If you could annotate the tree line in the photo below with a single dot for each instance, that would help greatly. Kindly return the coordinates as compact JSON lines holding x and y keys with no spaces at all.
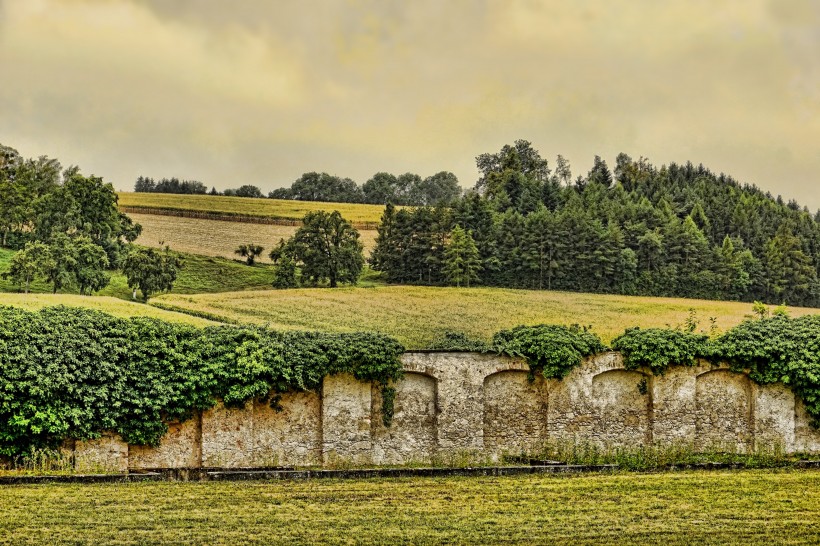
{"x":675,"y":230}
{"x":68,"y":230}
{"x":407,"y":189}
{"x":145,"y":184}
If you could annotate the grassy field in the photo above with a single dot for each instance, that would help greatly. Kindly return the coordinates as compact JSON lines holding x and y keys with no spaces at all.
{"x":112,"y":306}
{"x":246,"y":206}
{"x":417,"y":315}
{"x":199,"y":274}
{"x":217,"y":237}
{"x":747,"y":507}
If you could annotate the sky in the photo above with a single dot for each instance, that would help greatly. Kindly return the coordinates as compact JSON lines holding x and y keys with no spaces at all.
{"x":259,"y":92}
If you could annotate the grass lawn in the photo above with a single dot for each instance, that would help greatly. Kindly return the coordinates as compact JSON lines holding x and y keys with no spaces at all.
{"x":218,"y":237}
{"x":741,"y":507}
{"x":417,"y":315}
{"x":247,"y":206}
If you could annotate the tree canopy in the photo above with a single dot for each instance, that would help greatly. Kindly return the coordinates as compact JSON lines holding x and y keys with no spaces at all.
{"x":326,"y":247}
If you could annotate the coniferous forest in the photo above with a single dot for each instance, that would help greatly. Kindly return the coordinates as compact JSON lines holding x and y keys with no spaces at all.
{"x":674,"y":230}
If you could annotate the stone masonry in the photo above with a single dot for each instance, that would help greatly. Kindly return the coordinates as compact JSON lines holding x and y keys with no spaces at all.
{"x":452,"y":404}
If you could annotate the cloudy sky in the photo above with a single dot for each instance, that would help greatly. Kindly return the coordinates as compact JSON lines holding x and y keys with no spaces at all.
{"x":260,"y":91}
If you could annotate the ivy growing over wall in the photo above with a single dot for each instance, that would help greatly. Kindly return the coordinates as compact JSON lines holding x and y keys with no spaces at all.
{"x":73,"y":373}
{"x":549,"y":349}
{"x":659,"y":348}
{"x":777,"y":349}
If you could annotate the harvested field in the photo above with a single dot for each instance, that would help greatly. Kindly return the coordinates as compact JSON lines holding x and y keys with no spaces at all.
{"x":217,"y":237}
{"x":248,"y":207}
{"x":746,"y":507}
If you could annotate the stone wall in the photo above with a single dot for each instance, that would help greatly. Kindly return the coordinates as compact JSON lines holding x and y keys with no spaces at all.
{"x":456,"y":404}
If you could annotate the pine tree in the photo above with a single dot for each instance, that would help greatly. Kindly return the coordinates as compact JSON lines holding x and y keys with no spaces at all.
{"x":461,"y":260}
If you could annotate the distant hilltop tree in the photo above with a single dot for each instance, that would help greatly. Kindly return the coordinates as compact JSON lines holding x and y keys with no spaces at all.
{"x":244,"y":191}
{"x":382,"y":188}
{"x":145,"y":184}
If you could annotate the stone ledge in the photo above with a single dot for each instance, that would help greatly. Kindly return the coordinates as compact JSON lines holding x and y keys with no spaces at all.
{"x":82,"y":478}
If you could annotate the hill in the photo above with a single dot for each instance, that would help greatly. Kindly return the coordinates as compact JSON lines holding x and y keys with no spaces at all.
{"x":417,"y":315}
{"x":245,"y":209}
{"x":199,"y":274}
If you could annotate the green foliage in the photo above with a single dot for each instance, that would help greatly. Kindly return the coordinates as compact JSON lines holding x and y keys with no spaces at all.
{"x":658,"y":348}
{"x":73,"y":373}
{"x":284,"y":273}
{"x":675,"y":230}
{"x":151,"y":271}
{"x":777,"y":349}
{"x":461,"y":259}
{"x":328,"y":248}
{"x":549,"y":349}
{"x":250,"y":252}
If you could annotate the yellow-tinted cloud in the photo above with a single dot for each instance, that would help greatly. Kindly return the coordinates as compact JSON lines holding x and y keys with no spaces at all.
{"x":259,"y":92}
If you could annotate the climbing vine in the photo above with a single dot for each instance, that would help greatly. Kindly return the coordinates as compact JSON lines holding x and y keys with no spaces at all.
{"x":549,"y":349}
{"x":73,"y":373}
{"x":658,"y":348}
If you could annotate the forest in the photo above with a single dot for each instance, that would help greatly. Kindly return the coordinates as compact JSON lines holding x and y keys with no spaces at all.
{"x":677,"y":230}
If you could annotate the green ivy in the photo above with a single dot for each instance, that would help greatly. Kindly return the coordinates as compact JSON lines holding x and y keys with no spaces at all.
{"x":74,"y":373}
{"x":777,"y":349}
{"x":549,"y":349}
{"x":658,"y":348}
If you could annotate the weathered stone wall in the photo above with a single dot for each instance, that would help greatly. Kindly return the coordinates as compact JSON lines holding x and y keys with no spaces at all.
{"x":451,"y":404}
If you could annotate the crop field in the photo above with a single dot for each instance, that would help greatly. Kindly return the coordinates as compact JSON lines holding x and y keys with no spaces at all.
{"x":112,"y":306}
{"x":742,"y":507}
{"x":247,"y":206}
{"x":218,"y":237}
{"x":418,"y":315}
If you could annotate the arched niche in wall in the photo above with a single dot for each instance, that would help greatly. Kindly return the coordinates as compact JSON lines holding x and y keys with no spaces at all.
{"x":515,"y":411}
{"x":411,"y":437}
{"x":622,"y":403}
{"x":723,"y":411}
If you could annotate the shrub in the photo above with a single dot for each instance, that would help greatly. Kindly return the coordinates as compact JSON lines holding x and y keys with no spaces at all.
{"x":548,"y":349}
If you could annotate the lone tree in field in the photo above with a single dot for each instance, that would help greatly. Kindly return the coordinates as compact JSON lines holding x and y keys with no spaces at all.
{"x":461,"y":259}
{"x":328,"y":249}
{"x":151,"y":271}
{"x":249,"y":252}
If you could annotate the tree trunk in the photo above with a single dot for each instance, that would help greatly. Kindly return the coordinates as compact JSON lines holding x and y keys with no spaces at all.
{"x":134,"y":294}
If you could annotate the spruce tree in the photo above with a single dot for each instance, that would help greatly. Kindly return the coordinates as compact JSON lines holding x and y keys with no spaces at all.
{"x":461,"y":260}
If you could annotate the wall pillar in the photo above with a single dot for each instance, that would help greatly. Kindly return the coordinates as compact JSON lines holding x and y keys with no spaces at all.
{"x":346,"y":419}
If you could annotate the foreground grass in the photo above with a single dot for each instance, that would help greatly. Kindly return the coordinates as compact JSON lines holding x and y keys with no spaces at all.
{"x":417,"y":316}
{"x":247,"y":206}
{"x":748,"y":507}
{"x":217,"y":237}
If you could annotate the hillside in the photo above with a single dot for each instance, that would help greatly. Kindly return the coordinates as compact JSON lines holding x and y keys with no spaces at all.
{"x":199,"y":274}
{"x":244,"y":208}
{"x":217,"y":237}
{"x":110,"y":305}
{"x":417,"y":315}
